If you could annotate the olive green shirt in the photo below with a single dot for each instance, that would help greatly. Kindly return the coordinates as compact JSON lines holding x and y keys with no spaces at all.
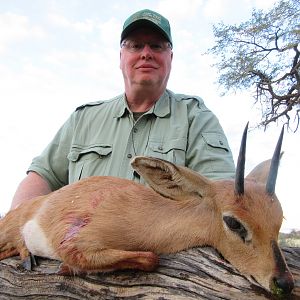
{"x":101,"y":138}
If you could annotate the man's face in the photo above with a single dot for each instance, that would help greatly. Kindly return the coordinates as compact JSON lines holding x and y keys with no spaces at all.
{"x":146,"y":67}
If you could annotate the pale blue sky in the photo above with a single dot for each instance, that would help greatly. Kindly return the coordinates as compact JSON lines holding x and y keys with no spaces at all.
{"x":58,"y":54}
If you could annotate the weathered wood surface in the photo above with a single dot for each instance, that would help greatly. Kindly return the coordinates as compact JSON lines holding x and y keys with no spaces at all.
{"x":194,"y":274}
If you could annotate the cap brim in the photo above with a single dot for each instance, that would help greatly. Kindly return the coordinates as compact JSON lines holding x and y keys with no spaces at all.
{"x":142,"y":23}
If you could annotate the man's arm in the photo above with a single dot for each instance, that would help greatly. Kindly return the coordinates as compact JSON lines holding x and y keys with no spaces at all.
{"x":208,"y":152}
{"x":31,"y":186}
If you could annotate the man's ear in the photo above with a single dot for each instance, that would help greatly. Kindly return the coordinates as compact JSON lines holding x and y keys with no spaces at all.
{"x":170,"y":180}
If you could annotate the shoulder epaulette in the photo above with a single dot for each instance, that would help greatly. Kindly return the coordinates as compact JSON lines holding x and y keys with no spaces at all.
{"x":180,"y":97}
{"x":89,"y":104}
{"x":189,"y":97}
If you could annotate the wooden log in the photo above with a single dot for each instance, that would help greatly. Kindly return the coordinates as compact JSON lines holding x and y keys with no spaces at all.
{"x":198,"y":273}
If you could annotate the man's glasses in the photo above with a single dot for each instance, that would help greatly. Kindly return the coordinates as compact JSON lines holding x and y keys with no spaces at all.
{"x":138,"y":46}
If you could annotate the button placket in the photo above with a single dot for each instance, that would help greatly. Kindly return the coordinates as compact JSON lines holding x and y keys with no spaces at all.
{"x":132,"y":151}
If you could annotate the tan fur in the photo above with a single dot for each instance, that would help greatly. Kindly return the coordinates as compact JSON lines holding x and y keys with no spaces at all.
{"x":108,"y":223}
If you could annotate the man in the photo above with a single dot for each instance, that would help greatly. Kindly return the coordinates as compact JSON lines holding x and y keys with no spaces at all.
{"x":101,"y":138}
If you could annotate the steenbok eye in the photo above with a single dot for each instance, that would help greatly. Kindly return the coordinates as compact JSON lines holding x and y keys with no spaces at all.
{"x":234,"y":225}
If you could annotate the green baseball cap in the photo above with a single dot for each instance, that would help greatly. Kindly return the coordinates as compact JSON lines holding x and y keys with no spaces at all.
{"x":147,"y":18}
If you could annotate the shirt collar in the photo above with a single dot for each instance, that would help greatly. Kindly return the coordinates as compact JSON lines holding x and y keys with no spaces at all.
{"x":122,"y":107}
{"x":160,"y":109}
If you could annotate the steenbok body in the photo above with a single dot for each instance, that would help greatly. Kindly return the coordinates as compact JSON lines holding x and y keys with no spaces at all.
{"x":107,"y":223}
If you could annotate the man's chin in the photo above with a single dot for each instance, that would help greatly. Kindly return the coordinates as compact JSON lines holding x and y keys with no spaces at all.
{"x":146,"y":81}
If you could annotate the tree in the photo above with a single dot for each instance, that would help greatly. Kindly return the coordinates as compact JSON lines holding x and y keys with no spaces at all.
{"x":263,"y":54}
{"x":198,"y":273}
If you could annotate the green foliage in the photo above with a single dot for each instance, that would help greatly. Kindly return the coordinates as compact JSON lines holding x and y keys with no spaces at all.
{"x":291,"y":239}
{"x":263,"y":54}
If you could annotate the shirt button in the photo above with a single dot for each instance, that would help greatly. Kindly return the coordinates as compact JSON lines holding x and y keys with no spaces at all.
{"x":135,"y":130}
{"x":160,"y":148}
{"x":221,"y":143}
{"x":129,"y":155}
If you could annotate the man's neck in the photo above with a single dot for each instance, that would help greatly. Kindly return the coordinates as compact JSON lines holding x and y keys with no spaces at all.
{"x":141,"y":102}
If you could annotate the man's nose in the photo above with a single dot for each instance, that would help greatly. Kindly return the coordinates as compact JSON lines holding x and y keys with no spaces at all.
{"x":146,"y":52}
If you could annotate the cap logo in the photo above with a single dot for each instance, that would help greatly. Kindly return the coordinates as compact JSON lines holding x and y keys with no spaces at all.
{"x":149,"y":16}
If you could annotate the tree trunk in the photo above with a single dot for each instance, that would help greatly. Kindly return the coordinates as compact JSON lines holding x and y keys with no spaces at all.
{"x":197,"y":273}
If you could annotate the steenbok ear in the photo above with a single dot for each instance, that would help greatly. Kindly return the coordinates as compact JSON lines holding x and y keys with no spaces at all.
{"x":261,"y":172}
{"x":169,"y":180}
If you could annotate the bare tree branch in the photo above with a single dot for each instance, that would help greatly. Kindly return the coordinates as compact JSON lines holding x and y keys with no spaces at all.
{"x":262,"y":53}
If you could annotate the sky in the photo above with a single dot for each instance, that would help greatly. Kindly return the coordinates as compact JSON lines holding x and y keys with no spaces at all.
{"x":58,"y":54}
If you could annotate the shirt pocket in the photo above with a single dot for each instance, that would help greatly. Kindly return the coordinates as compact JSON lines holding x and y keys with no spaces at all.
{"x":88,"y":161}
{"x":215,"y":141}
{"x":171,"y":150}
